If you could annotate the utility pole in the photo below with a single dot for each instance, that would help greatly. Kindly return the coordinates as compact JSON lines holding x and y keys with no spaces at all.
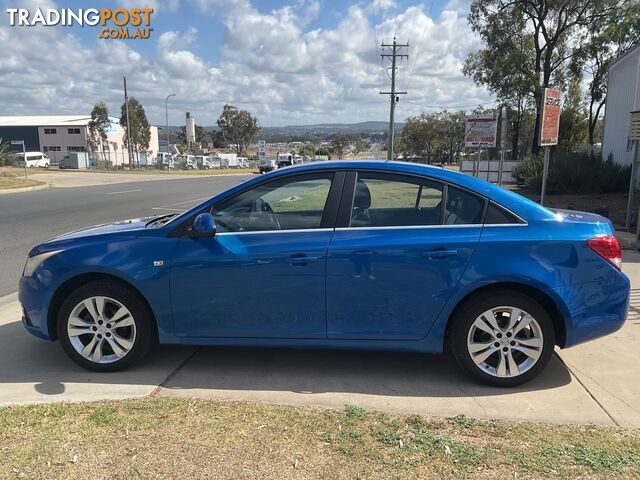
{"x":393,"y":95}
{"x":126,"y":107}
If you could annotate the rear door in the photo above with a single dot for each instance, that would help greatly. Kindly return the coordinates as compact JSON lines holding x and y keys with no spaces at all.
{"x":401,"y":245}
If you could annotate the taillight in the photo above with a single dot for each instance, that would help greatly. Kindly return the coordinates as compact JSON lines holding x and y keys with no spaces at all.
{"x":608,"y":248}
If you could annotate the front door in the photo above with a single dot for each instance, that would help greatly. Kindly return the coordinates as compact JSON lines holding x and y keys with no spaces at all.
{"x":407,"y":243}
{"x":263,"y":274}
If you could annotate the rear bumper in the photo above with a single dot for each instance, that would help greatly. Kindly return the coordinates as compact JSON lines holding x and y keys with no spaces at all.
{"x":35,"y":303}
{"x":595,"y":309}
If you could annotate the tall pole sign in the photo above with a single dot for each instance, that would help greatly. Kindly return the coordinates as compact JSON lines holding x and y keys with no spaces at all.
{"x":503,"y":142}
{"x":549,"y":129}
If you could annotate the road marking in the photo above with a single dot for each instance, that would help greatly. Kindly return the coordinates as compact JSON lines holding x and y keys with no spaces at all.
{"x":124,"y":191}
{"x":170,"y":209}
{"x":186,"y":201}
{"x":218,"y":181}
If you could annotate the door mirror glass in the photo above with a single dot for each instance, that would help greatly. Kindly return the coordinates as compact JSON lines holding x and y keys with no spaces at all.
{"x":203,"y":226}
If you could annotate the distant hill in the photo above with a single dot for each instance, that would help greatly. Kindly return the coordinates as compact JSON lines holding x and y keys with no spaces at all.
{"x":323,"y":129}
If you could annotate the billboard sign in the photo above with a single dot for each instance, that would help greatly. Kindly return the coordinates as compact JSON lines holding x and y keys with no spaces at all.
{"x":262,"y":148}
{"x":481,"y":131}
{"x":550,"y":117}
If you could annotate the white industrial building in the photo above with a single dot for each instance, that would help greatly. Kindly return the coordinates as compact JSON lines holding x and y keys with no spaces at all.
{"x":623,"y":97}
{"x":59,"y":134}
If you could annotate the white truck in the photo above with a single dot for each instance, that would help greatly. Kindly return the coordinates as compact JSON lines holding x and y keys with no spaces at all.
{"x":205,"y":162}
{"x":165,"y":161}
{"x":187,"y":162}
{"x":228,"y":160}
{"x":287,"y":159}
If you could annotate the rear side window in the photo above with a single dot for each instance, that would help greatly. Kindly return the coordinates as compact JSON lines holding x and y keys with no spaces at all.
{"x":463,"y":207}
{"x":391,"y":200}
{"x":497,"y":215}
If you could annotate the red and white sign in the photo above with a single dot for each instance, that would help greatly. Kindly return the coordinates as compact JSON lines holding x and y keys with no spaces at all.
{"x":480,"y":131}
{"x":550,"y":117}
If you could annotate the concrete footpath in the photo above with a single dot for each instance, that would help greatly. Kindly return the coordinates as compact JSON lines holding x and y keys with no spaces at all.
{"x":595,"y":383}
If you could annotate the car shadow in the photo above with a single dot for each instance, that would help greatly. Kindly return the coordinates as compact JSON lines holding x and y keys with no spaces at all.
{"x":362,"y":372}
{"x":25,"y":359}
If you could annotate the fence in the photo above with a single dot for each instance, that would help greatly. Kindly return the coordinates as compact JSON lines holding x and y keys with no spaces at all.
{"x":489,"y":169}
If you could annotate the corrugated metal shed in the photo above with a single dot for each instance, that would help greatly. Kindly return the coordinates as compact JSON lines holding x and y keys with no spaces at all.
{"x":623,"y":97}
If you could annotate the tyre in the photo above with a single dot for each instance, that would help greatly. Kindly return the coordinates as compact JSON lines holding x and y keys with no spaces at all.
{"x":105,"y":327}
{"x":503,"y":339}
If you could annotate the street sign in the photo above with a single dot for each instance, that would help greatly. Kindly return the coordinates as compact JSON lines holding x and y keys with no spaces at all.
{"x":480,"y":131}
{"x":550,"y":117}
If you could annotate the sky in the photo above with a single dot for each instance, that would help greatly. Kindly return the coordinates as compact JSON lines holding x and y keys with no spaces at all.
{"x":289,"y":62}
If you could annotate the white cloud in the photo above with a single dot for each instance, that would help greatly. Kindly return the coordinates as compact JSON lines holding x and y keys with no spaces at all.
{"x":271,"y":63}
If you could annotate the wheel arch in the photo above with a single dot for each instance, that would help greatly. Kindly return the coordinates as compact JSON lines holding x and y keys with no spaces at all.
{"x":543,"y":298}
{"x":74,"y":282}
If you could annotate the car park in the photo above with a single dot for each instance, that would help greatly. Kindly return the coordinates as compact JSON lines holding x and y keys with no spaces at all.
{"x":346,"y":255}
{"x":187,"y":162}
{"x":205,"y":162}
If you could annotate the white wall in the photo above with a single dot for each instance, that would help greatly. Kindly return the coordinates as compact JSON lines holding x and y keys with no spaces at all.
{"x":623,"y":97}
{"x":62,"y":138}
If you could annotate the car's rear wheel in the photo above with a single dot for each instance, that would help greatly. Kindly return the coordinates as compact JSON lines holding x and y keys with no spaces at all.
{"x":104,"y":327}
{"x":502,"y":339}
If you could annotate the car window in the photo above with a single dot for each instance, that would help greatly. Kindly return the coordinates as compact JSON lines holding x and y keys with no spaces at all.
{"x":497,"y":215}
{"x":291,"y":203}
{"x":463,"y":207}
{"x":384,"y":200}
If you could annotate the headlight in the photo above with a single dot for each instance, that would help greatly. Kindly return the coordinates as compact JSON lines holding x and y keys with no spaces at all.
{"x":34,"y":262}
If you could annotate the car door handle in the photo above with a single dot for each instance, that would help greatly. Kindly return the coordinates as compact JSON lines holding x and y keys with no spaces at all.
{"x":436,"y":254}
{"x":302,"y":260}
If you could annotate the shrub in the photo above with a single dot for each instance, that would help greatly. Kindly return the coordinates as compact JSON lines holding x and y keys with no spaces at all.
{"x":575,"y":173}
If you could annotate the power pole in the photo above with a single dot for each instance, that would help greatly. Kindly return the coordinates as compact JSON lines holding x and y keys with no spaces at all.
{"x":126,"y":107}
{"x":393,"y":95}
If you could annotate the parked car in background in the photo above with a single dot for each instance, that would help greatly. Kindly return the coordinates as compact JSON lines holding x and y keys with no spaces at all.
{"x":287,"y":159}
{"x":266,"y":165}
{"x":402,"y":256}
{"x":33,"y":159}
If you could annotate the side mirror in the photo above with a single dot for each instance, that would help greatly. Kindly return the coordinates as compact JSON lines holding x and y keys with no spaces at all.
{"x":203,"y":226}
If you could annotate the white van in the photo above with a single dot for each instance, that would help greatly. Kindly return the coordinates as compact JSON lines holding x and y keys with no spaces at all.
{"x":34,"y":159}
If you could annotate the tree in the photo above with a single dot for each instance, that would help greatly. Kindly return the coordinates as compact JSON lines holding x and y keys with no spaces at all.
{"x":324,"y":151}
{"x":573,"y":120}
{"x":308,"y":150}
{"x":339,"y":144}
{"x":418,"y":137}
{"x":238,"y":127}
{"x":4,"y":153}
{"x":99,"y":126}
{"x":605,"y":41}
{"x":217,"y":137}
{"x":553,"y":28}
{"x":140,"y":130}
{"x":430,"y":136}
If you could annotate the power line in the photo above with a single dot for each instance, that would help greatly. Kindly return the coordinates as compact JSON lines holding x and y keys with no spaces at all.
{"x":396,"y":50}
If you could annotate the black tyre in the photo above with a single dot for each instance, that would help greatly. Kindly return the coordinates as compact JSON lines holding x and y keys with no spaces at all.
{"x":503,"y":338}
{"x":105,"y":327}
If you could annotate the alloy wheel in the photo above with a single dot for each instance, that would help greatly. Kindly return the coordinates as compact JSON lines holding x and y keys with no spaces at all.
{"x":505,"y":341}
{"x":101,"y":329}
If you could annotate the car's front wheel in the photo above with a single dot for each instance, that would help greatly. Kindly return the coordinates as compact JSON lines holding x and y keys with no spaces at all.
{"x":104,"y":327}
{"x":502,"y":339}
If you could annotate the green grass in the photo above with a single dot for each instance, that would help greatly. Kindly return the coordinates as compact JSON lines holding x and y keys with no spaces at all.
{"x":187,"y":438}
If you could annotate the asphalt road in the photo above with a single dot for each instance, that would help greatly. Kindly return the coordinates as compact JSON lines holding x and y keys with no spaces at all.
{"x":29,"y":218}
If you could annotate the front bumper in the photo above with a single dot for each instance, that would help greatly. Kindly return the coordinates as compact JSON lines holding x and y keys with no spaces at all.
{"x":34,"y":299}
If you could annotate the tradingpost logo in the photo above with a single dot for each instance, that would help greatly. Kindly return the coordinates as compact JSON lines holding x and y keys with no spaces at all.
{"x":114,"y":23}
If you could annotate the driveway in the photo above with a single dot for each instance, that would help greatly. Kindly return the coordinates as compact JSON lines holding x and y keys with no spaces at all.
{"x":595,"y":383}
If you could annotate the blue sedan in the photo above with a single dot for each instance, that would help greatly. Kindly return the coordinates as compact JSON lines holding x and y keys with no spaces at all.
{"x":356,"y":255}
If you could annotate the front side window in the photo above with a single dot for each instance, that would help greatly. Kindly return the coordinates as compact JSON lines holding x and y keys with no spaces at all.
{"x":292,"y":203}
{"x":386,"y":200}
